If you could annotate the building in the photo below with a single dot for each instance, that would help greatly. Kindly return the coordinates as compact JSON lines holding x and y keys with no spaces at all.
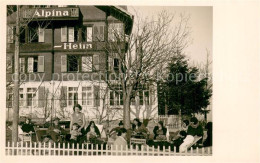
{"x":64,"y":61}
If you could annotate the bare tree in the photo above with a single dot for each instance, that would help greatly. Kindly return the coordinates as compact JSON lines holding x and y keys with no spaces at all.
{"x":149,"y":47}
{"x":16,"y":27}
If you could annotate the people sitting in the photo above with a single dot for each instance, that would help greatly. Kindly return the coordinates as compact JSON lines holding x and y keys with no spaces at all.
{"x":27,"y":127}
{"x":113,"y":133}
{"x":55,"y":132}
{"x":160,"y":132}
{"x":121,"y":141}
{"x":139,"y":130}
{"x":194,"y":131}
{"x":185,"y":125}
{"x":177,"y":142}
{"x":92,"y":131}
{"x":75,"y":133}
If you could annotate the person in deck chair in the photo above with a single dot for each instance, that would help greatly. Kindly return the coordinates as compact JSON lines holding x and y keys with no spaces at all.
{"x":194,"y":131}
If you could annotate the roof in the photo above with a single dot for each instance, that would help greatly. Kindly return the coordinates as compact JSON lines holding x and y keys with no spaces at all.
{"x":121,"y":14}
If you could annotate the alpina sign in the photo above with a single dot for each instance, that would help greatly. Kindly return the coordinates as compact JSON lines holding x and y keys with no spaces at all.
{"x":74,"y":46}
{"x":55,"y":13}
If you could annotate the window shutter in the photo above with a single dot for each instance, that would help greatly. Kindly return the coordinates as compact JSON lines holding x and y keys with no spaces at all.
{"x":110,"y":63}
{"x":102,"y":62}
{"x":71,"y":34}
{"x":96,"y":62}
{"x":9,"y":64}
{"x":41,"y":97}
{"x":41,"y":64}
{"x":101,"y":33}
{"x":10,"y":33}
{"x":64,"y":34}
{"x":9,"y":97}
{"x":21,"y":65}
{"x":86,"y":63}
{"x":30,"y":64}
{"x":89,"y":34}
{"x":41,"y":34}
{"x":95,"y":34}
{"x":96,"y":96}
{"x":111,"y":29}
{"x":63,"y":96}
{"x":63,"y":63}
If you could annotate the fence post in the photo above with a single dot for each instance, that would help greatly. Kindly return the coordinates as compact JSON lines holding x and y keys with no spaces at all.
{"x":78,"y":149}
{"x":26,"y":148}
{"x":164,"y":150}
{"x":203,"y":151}
{"x":7,"y":150}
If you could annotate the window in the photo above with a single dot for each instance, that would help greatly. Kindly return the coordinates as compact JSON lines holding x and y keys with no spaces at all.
{"x":73,"y":63}
{"x":87,"y":96}
{"x":69,"y":34}
{"x":116,"y":64}
{"x":116,"y":96}
{"x":31,"y":94}
{"x":115,"y":31}
{"x":111,"y":97}
{"x":86,"y":63}
{"x":77,"y":63}
{"x":73,"y":96}
{"x":141,"y":98}
{"x":33,"y":35}
{"x":146,"y":96}
{"x":32,"y":64}
{"x":22,"y":35}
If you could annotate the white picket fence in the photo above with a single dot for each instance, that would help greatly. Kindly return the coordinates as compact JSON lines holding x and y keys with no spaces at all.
{"x":48,"y":149}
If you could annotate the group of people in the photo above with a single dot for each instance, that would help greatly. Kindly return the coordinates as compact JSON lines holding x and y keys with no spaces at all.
{"x":79,"y":132}
{"x":191,"y":133}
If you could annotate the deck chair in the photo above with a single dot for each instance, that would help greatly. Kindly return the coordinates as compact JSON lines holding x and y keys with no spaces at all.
{"x":24,"y":137}
{"x":40,"y":133}
{"x":189,"y":141}
{"x":102,"y":131}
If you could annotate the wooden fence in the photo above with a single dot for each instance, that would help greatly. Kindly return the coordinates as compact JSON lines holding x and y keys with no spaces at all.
{"x":48,"y":149}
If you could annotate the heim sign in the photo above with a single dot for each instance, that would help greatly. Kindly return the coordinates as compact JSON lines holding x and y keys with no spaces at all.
{"x":74,"y":46}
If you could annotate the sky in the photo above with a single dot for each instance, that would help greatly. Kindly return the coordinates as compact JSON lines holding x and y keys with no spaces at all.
{"x":201,"y":27}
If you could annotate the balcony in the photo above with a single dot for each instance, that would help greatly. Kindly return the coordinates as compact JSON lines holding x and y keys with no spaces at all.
{"x":53,"y":13}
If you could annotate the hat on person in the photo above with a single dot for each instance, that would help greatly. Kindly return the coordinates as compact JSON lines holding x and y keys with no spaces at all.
{"x":56,"y":118}
{"x":120,"y":123}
